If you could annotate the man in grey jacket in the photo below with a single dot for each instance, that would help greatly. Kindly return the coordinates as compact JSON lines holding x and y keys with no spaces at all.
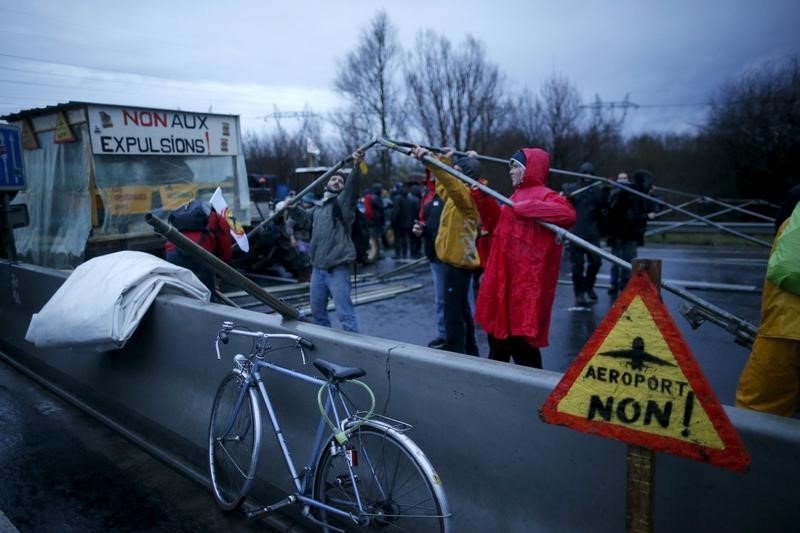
{"x":332,"y":251}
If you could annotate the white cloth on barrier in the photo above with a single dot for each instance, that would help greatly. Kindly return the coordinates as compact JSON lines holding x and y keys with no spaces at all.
{"x":102,"y":302}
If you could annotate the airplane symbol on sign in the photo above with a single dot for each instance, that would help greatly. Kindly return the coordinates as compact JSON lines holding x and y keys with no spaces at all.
{"x":637,"y":356}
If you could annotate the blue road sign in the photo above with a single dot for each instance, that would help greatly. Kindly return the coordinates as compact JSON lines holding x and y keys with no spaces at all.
{"x":12,"y":173}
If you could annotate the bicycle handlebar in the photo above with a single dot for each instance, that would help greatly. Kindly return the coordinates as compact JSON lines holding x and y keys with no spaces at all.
{"x":260,"y":334}
{"x":228,"y":328}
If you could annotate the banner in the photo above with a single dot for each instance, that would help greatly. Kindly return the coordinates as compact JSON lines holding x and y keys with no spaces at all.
{"x":138,"y":131}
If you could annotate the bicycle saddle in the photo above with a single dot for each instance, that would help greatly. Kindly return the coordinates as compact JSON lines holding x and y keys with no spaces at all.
{"x":335,"y":372}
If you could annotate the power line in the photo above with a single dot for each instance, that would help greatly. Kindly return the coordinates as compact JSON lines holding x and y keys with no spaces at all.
{"x":232,"y":96}
{"x":39,"y":84}
{"x":165,"y":85}
{"x":665,"y":106}
{"x":624,"y":105}
{"x":23,"y":98}
{"x":76,"y":24}
{"x":39,"y":60}
{"x":289,"y":114}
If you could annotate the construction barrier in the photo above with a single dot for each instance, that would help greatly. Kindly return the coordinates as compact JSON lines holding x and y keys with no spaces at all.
{"x":502,"y":468}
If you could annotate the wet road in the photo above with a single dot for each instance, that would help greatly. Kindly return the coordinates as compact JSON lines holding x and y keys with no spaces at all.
{"x":61,"y":471}
{"x":409,"y":316}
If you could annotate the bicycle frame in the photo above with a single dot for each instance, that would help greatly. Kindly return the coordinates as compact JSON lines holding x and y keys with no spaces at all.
{"x":301,"y":482}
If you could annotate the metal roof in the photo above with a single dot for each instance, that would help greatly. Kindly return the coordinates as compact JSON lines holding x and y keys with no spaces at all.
{"x":25,"y":113}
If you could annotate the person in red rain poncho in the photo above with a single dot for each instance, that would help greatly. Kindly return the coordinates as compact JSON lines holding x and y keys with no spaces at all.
{"x":519,"y":282}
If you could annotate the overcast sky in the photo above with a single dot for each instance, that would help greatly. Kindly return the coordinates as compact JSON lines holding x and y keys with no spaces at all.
{"x":245,"y":57}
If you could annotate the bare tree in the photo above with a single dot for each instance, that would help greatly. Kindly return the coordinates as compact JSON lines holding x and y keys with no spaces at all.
{"x":753,"y":130}
{"x":529,"y":119}
{"x":280,"y":151}
{"x":601,"y":140}
{"x":352,"y":126}
{"x":561,"y":106}
{"x":368,"y":78}
{"x":456,"y":97}
{"x":427,"y":80}
{"x":256,"y":152}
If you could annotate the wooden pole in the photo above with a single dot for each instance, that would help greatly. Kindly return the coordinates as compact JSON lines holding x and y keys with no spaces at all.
{"x":206,"y":258}
{"x":641,"y":477}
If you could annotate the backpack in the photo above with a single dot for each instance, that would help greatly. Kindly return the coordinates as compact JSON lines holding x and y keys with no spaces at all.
{"x":191,"y":216}
{"x":359,"y":232}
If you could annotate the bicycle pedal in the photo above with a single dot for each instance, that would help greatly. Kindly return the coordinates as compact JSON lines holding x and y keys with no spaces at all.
{"x":269,"y":508}
{"x":253,"y":514}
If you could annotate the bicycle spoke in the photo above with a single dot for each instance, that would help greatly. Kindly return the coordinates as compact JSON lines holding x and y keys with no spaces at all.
{"x":234,"y":462}
{"x":395,"y":493}
{"x":234,"y":438}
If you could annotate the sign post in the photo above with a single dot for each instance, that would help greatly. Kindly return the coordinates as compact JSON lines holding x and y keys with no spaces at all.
{"x":636,"y":381}
{"x":641,"y":462}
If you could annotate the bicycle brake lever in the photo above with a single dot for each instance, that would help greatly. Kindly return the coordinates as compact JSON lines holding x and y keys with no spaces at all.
{"x":221,"y":336}
{"x":305,"y":342}
{"x":302,"y":354}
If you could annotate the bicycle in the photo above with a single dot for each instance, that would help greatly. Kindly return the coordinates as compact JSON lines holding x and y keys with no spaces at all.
{"x":363,"y":471}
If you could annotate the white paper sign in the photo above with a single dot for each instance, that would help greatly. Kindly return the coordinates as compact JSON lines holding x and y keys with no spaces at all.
{"x":237,"y":231}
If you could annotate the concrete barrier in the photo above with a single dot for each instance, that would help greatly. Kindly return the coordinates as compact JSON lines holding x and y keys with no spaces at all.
{"x":503,"y":469}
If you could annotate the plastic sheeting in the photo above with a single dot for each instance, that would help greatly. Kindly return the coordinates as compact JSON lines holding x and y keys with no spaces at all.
{"x":58,"y":202}
{"x":102,"y":302}
{"x":131,"y":186}
{"x":74,"y":196}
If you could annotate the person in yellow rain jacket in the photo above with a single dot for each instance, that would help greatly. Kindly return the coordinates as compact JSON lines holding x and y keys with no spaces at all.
{"x":456,"y":249}
{"x":770,"y":381}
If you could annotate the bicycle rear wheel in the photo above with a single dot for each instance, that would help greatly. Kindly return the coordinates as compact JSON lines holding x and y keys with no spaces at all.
{"x":398,"y":487}
{"x":234,"y":439}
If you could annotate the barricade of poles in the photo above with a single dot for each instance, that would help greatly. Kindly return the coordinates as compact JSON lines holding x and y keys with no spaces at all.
{"x":728,"y":207}
{"x":700,"y":310}
{"x":696,"y":311}
{"x":610,"y":182}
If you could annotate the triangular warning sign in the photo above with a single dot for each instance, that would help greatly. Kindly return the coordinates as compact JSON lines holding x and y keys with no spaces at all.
{"x":63,"y":131}
{"x":29,"y":141}
{"x":636,"y":380}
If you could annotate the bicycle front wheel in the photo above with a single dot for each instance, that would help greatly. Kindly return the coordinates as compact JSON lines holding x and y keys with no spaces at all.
{"x":398,"y":488}
{"x":234,"y":438}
